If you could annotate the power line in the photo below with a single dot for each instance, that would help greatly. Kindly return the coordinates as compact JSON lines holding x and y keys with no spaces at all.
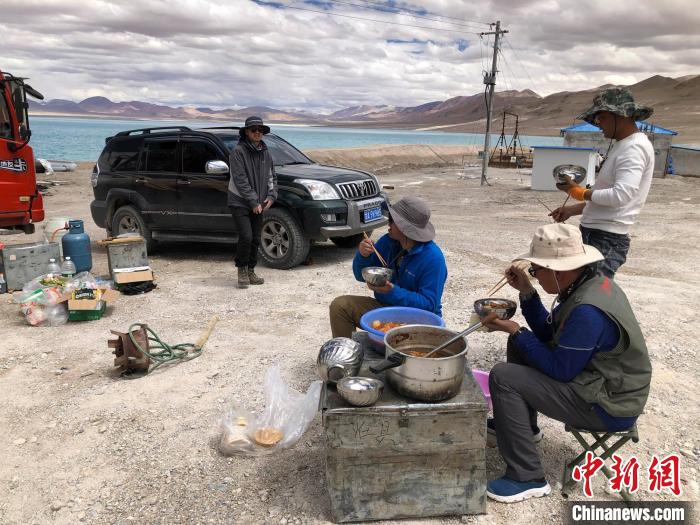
{"x":286,"y":6}
{"x":527,"y":72}
{"x":420,"y":14}
{"x":506,"y":66}
{"x":481,"y":52}
{"x":370,"y":7}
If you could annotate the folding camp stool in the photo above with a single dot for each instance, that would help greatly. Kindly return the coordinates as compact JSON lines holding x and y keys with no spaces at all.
{"x":601,"y":441}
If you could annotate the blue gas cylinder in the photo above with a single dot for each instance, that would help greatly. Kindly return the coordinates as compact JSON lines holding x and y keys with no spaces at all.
{"x":76,"y":245}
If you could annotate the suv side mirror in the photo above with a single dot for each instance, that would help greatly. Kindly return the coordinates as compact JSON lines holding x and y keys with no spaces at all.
{"x":216,"y":166}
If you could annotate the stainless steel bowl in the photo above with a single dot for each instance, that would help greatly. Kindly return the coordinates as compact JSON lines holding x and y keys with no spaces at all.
{"x":504,"y":308}
{"x":338,"y":358}
{"x":360,"y":391}
{"x":574,"y":172}
{"x":377,"y":275}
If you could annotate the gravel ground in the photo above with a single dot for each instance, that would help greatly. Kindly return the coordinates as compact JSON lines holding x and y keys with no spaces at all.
{"x":79,"y":444}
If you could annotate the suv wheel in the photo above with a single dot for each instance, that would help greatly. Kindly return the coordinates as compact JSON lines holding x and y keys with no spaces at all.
{"x":128,"y":219}
{"x":349,"y":242}
{"x":283,"y":245}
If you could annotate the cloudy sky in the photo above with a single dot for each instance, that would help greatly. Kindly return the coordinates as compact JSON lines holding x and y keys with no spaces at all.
{"x":326,"y":55}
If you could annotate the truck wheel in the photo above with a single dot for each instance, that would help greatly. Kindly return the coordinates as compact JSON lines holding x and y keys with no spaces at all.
{"x":128,"y":219}
{"x":283,"y":244}
{"x":348,"y":242}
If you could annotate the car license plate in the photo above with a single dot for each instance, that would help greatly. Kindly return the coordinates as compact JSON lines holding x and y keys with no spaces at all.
{"x":372,"y":214}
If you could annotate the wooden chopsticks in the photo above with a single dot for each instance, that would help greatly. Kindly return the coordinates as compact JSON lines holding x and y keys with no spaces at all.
{"x":500,"y":284}
{"x":379,"y":255}
{"x":504,"y":280}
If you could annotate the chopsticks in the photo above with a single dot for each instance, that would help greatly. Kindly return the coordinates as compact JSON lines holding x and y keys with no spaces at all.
{"x":504,"y":280}
{"x":543,"y":204}
{"x":379,"y":255}
{"x":500,"y":284}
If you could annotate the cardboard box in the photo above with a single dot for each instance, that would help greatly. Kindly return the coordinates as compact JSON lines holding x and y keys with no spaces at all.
{"x":132,"y":275}
{"x":107,"y":295}
{"x":83,"y":306}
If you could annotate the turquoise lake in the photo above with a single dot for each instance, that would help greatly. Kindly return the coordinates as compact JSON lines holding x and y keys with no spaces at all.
{"x":82,"y":139}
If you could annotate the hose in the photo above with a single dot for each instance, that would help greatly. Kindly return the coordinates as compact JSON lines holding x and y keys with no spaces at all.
{"x":53,"y":235}
{"x":166,"y":353}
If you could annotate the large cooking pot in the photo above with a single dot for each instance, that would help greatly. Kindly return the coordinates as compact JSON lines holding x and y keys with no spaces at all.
{"x":426,"y":379}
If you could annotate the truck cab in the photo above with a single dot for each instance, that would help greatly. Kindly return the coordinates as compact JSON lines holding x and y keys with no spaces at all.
{"x":21,"y":204}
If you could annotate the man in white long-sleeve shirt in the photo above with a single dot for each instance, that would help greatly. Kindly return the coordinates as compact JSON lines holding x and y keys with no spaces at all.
{"x":610,"y":207}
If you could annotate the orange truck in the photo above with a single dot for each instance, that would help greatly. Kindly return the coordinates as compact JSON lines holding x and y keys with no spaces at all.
{"x":21,"y":204}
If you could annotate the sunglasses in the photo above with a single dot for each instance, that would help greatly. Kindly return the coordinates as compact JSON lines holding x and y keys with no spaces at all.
{"x":532,"y":270}
{"x":256,"y":129}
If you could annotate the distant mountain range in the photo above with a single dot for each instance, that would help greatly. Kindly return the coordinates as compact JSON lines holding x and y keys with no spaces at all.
{"x":676,"y":103}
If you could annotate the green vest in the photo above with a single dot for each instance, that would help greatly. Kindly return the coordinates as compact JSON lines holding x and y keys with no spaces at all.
{"x":617,"y":380}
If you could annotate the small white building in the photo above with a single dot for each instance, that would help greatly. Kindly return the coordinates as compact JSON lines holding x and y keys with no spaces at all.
{"x":587,"y":135}
{"x":546,"y":158}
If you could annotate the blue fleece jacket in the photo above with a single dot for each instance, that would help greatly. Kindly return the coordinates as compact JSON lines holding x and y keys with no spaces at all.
{"x":418,"y":280}
{"x":586,"y":331}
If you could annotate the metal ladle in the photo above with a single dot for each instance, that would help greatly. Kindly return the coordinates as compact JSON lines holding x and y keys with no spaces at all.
{"x":482,"y":308}
{"x":472,"y":328}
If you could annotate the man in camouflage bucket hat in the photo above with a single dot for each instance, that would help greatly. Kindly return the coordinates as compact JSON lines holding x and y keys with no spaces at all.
{"x":618,"y":101}
{"x":609,"y":208}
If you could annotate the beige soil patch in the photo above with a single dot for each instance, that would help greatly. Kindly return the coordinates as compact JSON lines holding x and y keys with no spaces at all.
{"x":80,"y":444}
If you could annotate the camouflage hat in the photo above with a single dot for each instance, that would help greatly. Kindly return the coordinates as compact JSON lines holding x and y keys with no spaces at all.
{"x":618,"y":101}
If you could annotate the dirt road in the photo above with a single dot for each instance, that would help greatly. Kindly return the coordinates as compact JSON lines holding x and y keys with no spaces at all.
{"x":79,"y":444}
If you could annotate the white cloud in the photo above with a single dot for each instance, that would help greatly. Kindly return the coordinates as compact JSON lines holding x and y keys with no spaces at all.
{"x":239,"y":53}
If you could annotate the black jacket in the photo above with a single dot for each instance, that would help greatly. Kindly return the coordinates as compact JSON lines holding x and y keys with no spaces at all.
{"x":253,"y":177}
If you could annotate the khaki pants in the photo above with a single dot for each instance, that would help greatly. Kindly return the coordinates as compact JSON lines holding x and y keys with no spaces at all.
{"x":346,"y":310}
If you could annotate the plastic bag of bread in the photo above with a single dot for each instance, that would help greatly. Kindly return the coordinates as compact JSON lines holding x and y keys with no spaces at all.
{"x":287,"y":415}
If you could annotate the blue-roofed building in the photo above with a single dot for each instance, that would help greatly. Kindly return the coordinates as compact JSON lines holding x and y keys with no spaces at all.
{"x":587,"y":135}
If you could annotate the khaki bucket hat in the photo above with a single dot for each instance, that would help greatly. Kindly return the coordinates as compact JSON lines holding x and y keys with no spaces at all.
{"x":412,"y":216}
{"x":560,"y":247}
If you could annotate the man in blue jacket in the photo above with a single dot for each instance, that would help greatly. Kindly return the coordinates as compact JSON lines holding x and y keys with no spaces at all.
{"x":419,"y":268}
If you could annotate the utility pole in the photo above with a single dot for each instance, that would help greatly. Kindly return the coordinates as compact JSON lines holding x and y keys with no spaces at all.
{"x":490,"y":81}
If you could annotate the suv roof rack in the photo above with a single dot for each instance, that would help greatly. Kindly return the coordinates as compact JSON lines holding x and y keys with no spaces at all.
{"x":145,"y":131}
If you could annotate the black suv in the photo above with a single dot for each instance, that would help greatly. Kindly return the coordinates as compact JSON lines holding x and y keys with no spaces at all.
{"x":171,"y":184}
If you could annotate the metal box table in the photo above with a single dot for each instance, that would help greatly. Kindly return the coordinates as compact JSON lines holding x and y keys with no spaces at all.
{"x":128,"y":253}
{"x":23,"y":262}
{"x":400,"y":458}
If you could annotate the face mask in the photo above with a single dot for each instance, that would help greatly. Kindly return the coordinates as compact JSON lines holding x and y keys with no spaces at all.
{"x":550,"y":317}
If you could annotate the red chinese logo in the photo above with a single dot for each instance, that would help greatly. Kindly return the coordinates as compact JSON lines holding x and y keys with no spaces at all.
{"x":625,"y":475}
{"x":665,"y":474}
{"x":585,"y":472}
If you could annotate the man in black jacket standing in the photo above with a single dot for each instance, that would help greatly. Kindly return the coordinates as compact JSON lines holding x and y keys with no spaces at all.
{"x":251,"y":190}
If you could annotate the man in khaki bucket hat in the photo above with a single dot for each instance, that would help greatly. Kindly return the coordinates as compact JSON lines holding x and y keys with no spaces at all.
{"x":610,"y":207}
{"x":585,"y":363}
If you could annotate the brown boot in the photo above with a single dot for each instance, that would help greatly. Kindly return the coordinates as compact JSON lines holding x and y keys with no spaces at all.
{"x":243,"y":280}
{"x":254,"y":279}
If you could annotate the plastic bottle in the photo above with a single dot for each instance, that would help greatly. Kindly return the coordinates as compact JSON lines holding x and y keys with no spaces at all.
{"x":68,"y":268}
{"x":53,"y":268}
